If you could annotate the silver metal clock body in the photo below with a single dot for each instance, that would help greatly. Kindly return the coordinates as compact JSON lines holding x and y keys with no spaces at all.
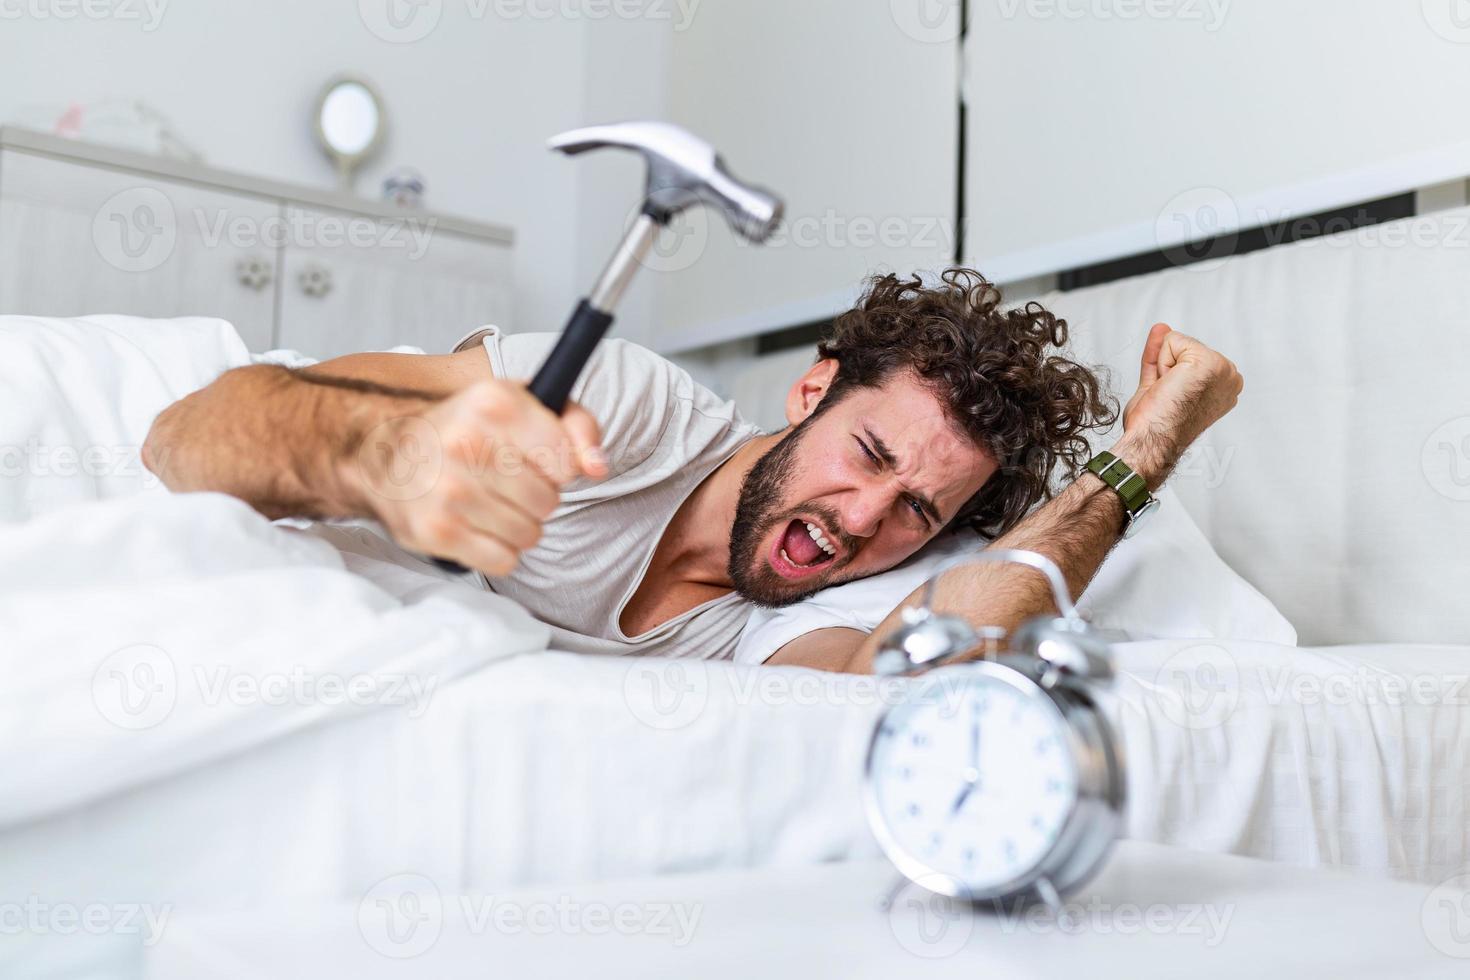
{"x":1079,"y":839}
{"x":997,"y":779}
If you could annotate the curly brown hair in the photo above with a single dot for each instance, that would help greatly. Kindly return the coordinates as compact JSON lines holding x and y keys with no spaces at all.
{"x":999,"y":372}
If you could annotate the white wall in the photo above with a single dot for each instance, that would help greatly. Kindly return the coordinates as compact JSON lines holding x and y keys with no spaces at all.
{"x":470,"y":104}
{"x":1106,"y":129}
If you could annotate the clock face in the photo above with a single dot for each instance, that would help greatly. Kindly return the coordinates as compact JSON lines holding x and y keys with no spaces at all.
{"x":972,"y":778}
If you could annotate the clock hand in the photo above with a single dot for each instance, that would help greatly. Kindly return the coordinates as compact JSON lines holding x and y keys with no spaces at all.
{"x":960,"y":800}
{"x":974,"y":744}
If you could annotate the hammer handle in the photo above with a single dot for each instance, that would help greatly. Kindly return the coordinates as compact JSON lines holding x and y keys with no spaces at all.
{"x":552,"y":385}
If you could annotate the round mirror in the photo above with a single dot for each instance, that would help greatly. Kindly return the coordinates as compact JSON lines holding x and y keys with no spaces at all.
{"x":349,"y":124}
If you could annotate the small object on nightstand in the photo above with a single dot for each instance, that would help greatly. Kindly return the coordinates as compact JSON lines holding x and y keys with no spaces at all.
{"x":997,"y":780}
{"x":404,"y":187}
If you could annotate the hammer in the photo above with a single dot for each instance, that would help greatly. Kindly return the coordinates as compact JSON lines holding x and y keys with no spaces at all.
{"x":683,"y":171}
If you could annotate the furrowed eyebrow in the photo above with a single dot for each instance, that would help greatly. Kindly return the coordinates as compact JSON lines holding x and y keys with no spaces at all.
{"x":891,"y":461}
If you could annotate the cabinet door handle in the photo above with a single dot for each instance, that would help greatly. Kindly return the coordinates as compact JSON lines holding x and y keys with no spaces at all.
{"x":315,"y":280}
{"x":254,"y":273}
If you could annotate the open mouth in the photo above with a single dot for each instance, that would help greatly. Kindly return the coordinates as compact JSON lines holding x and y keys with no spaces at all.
{"x":802,"y":549}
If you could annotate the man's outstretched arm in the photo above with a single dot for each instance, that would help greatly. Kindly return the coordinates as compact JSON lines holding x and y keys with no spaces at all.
{"x":452,"y":462}
{"x":1184,"y":388}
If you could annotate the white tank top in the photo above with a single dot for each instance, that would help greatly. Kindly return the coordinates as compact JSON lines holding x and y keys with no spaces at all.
{"x":663,"y":434}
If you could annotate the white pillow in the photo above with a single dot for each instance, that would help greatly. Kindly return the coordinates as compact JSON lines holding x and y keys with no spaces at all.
{"x":78,"y":395}
{"x":1166,"y":582}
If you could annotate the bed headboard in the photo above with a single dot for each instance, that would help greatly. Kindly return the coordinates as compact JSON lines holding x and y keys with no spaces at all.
{"x":1340,"y":486}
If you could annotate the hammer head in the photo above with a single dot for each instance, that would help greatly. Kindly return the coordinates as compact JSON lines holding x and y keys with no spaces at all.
{"x":683,"y":170}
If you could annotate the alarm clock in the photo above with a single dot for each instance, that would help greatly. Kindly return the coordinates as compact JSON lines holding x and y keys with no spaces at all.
{"x":1000,"y":779}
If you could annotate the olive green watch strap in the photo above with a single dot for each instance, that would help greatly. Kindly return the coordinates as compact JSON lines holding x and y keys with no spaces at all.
{"x":1120,"y":476}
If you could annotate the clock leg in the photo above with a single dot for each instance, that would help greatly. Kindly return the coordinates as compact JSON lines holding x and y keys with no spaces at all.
{"x":1047,"y":892}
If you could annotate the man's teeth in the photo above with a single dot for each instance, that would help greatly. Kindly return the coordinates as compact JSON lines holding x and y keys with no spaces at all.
{"x":819,"y":538}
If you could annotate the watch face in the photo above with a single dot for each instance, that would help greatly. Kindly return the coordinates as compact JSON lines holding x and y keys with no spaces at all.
{"x":972,"y":779}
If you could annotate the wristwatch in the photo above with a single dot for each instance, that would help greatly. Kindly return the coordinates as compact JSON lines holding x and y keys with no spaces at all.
{"x":1138,"y":503}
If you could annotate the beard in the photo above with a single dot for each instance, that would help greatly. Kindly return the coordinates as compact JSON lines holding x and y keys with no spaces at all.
{"x":757,"y":513}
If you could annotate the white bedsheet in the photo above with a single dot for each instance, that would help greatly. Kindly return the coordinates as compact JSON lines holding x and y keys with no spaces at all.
{"x":553,"y":767}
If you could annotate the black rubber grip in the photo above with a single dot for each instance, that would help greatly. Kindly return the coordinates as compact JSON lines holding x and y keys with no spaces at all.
{"x":552,"y":385}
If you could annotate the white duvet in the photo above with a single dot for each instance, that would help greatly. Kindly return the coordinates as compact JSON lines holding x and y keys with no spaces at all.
{"x":204,"y":709}
{"x":154,"y":634}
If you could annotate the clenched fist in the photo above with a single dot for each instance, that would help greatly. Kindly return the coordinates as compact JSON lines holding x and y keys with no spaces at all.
{"x":474,"y":477}
{"x":1184,"y":387}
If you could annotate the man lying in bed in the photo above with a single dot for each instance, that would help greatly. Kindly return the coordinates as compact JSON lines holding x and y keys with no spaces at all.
{"x":929,"y":407}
